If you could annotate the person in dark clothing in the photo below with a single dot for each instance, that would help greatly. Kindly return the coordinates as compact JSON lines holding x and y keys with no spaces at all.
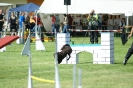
{"x":105,"y":22}
{"x":70,"y":20}
{"x":122,"y":23}
{"x":124,"y":35}
{"x":27,"y":22}
{"x":13,"y":24}
{"x":1,"y":22}
{"x":93,"y":25}
{"x":130,"y":50}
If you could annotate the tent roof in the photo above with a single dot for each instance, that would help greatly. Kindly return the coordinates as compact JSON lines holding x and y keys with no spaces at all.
{"x":30,"y":7}
{"x":85,"y":6}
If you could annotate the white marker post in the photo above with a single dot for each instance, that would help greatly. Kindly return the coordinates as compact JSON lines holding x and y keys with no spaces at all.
{"x":57,"y":80}
{"x":26,"y":51}
{"x":79,"y":78}
{"x":74,"y":76}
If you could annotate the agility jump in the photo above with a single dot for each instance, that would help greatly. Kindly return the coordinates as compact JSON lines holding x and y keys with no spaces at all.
{"x":42,"y":80}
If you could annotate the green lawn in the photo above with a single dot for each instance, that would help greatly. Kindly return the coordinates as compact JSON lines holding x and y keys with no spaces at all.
{"x":14,"y":68}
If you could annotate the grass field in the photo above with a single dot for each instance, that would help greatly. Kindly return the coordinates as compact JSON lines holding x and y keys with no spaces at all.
{"x":14,"y":68}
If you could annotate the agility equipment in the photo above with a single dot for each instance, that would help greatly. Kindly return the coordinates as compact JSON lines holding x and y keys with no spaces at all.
{"x":39,"y":43}
{"x":74,"y":76}
{"x":62,"y":38}
{"x":102,"y":53}
{"x":48,"y":38}
{"x":4,"y":48}
{"x":80,"y":78}
{"x":42,"y":80}
{"x":18,"y":41}
{"x":26,"y":48}
{"x":57,"y":80}
{"x":26,"y":51}
{"x":7,"y":40}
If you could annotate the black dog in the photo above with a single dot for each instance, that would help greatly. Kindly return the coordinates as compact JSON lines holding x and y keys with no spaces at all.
{"x":66,"y":50}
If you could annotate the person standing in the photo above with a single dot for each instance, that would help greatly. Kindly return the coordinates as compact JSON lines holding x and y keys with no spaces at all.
{"x":40,"y":27}
{"x":70,"y":22}
{"x":21,"y":21}
{"x":27,"y":21}
{"x":57,"y":22}
{"x":124,"y":35}
{"x":93,"y":25}
{"x":13,"y":24}
{"x":53,"y":24}
{"x":22,"y":27}
{"x":105,"y":21}
{"x":130,"y":50}
{"x":1,"y":22}
{"x":122,"y":23}
{"x":65,"y":28}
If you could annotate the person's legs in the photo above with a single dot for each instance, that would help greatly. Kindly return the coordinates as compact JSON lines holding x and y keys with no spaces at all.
{"x":64,"y":29}
{"x":103,"y":28}
{"x":96,"y":35}
{"x":106,"y":27}
{"x":67,"y":29}
{"x":0,"y":34}
{"x":92,"y":35}
{"x":83,"y":28}
{"x":53,"y":29}
{"x":128,"y":55}
{"x":57,"y":27}
{"x":0,"y":31}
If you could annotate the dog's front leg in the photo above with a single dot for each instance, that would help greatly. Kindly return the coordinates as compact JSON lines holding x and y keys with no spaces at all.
{"x":69,"y":57}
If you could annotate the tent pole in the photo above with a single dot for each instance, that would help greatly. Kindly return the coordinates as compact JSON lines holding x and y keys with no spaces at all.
{"x":66,"y":9}
{"x":127,"y":20}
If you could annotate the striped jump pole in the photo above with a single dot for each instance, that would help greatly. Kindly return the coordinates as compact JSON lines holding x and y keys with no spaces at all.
{"x":79,"y":30}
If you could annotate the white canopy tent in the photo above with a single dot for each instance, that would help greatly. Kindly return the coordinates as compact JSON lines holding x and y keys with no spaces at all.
{"x":5,"y":4}
{"x":54,"y":7}
{"x":85,"y":6}
{"x":113,"y":7}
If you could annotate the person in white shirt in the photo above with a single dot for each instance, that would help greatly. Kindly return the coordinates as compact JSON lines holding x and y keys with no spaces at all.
{"x":65,"y":29}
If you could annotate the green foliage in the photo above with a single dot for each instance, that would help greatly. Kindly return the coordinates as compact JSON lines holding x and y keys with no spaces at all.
{"x":14,"y":68}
